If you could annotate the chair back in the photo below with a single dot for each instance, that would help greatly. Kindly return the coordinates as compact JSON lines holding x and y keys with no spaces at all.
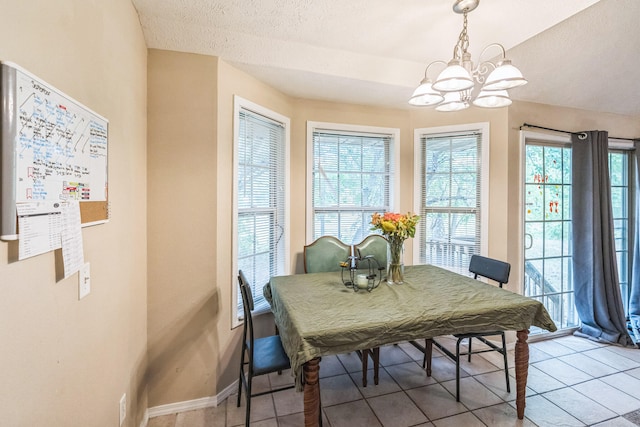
{"x":247,"y":305}
{"x":490,"y":268}
{"x":375,"y":245}
{"x":325,"y":254}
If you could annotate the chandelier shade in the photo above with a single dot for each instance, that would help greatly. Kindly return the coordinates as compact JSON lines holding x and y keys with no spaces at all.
{"x":492,"y":99}
{"x":505,"y":76}
{"x":453,"y":101}
{"x":425,"y":94}
{"x":453,"y":78}
{"x":455,"y":87}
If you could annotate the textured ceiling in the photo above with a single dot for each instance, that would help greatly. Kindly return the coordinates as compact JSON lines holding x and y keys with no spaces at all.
{"x":374,"y":52}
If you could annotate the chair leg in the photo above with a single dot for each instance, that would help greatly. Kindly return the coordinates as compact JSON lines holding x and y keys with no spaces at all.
{"x":239,"y":389}
{"x":365,"y":366}
{"x":506,"y":368}
{"x":469,"y":354}
{"x":458,"y":370}
{"x":376,"y":364}
{"x":247,"y":418}
{"x":240,"y":377}
{"x":428,"y":352}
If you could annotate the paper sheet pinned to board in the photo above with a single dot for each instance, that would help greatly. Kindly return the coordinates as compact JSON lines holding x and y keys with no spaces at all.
{"x":40,"y":226}
{"x":46,"y":226}
{"x":72,"y":249}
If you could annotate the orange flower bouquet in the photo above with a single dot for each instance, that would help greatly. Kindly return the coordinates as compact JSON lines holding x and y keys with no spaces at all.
{"x":396,"y":228}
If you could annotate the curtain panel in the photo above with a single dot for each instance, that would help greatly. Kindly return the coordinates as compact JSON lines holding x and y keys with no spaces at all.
{"x":595,"y":273}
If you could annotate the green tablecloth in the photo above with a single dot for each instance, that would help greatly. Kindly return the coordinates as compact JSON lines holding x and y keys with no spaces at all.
{"x":317,"y":315}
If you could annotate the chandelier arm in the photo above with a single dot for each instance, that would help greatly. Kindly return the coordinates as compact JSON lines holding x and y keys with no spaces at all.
{"x":498,"y":45}
{"x":429,"y":66}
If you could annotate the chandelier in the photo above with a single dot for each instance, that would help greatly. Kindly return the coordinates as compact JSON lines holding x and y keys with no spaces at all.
{"x":453,"y":89}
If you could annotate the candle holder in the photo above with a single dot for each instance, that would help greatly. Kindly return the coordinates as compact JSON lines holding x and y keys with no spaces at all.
{"x":361,"y":273}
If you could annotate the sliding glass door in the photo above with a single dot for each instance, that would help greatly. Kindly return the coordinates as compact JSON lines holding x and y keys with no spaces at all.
{"x":547,"y":231}
{"x":547,"y":226}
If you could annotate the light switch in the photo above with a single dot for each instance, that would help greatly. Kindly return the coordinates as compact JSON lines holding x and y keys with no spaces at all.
{"x":84,"y":281}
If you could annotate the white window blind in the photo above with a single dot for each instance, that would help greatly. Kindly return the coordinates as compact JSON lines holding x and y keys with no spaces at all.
{"x":450,"y":171}
{"x":351,"y":179}
{"x":260,"y":201}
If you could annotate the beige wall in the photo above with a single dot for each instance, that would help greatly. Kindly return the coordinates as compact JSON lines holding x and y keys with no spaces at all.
{"x":183,"y":299}
{"x":66,"y":362}
{"x":193,"y":351}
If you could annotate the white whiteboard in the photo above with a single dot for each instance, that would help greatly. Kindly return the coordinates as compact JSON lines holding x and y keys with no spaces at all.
{"x":53,"y":148}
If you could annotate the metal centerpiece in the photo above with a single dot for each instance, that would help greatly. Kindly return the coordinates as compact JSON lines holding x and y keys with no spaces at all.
{"x":361,"y":273}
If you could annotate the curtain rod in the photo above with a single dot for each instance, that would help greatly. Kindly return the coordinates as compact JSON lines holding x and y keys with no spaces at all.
{"x":581,"y":135}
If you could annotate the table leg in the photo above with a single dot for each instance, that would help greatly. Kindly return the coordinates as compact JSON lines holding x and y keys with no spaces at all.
{"x":312,"y":412}
{"x":522,"y":370}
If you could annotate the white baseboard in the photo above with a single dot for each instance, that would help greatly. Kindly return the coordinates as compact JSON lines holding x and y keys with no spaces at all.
{"x":190,"y":405}
{"x":145,"y":419}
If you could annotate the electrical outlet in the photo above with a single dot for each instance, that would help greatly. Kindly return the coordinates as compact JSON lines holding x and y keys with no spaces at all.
{"x":84,"y":281}
{"x":123,"y":408}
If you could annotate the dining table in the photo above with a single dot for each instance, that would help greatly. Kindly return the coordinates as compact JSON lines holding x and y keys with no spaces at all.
{"x":317,"y":315}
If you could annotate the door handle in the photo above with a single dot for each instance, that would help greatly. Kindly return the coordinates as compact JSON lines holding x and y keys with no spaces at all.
{"x":527,"y":235}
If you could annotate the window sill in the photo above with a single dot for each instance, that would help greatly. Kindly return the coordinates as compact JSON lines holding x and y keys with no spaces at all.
{"x":261,"y":309}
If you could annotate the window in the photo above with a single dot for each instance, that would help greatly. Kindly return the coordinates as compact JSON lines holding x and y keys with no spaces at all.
{"x":452,"y":166}
{"x":619,"y":175}
{"x":547,"y":223}
{"x":260,"y":202}
{"x":352,"y":176}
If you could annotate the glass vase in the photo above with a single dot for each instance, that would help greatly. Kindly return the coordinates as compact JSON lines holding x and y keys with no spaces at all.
{"x":395,"y":262}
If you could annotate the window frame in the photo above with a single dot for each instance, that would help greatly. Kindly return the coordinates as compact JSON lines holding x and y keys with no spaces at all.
{"x":394,"y":187}
{"x":239,"y":104}
{"x":484,"y":129}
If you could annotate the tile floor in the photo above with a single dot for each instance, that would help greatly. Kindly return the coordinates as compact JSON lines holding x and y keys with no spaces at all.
{"x":572,"y":382}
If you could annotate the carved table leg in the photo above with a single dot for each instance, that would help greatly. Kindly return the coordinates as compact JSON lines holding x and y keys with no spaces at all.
{"x":522,"y":370}
{"x":312,"y":412}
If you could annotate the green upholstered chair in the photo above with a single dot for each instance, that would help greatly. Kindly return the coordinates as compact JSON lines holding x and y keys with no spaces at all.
{"x":325,"y":254}
{"x":375,"y":245}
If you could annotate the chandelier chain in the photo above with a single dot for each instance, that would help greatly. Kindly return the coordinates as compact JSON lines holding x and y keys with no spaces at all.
{"x":463,"y":40}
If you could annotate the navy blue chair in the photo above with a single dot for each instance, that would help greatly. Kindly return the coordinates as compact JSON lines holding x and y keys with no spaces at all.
{"x":497,"y":271}
{"x":261,"y":355}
